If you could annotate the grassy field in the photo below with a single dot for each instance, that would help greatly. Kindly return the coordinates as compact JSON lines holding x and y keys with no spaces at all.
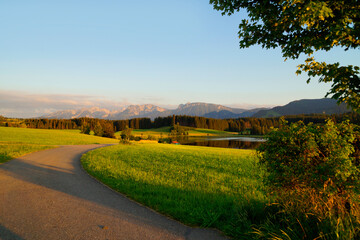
{"x":198,"y":132}
{"x":10,"y":151}
{"x":15,"y":142}
{"x":155,"y":132}
{"x":208,"y":187}
{"x":164,"y":131}
{"x":49,"y":137}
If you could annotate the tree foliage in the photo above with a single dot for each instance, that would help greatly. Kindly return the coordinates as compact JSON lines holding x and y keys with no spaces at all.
{"x":85,"y":128}
{"x":108,"y":129}
{"x":304,"y":27}
{"x":98,"y":131}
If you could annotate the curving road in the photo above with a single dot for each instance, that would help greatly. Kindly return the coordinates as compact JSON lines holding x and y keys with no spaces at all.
{"x":47,"y":195}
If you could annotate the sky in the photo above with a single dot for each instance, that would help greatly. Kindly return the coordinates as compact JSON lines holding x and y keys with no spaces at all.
{"x":57,"y":55}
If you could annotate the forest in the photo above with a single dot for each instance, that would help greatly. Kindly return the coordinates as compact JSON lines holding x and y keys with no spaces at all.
{"x":253,"y":126}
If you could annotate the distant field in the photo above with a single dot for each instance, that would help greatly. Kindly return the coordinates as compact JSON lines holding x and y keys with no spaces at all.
{"x":209,"y":187}
{"x":49,"y":137}
{"x":164,"y":131}
{"x":155,"y":132}
{"x":209,"y":132}
{"x":15,"y":142}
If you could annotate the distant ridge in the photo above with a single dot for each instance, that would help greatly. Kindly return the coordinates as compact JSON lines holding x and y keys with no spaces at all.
{"x":304,"y":106}
{"x":139,"y":111}
{"x":93,"y":112}
{"x":200,"y":109}
{"x":147,"y":111}
{"x":224,"y":114}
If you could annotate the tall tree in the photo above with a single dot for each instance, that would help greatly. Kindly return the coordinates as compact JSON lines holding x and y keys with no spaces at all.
{"x":304,"y":27}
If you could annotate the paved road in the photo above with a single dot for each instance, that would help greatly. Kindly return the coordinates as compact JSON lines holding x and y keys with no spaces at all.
{"x":47,"y":195}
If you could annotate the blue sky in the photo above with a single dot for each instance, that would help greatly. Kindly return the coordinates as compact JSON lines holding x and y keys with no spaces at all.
{"x":67,"y":54}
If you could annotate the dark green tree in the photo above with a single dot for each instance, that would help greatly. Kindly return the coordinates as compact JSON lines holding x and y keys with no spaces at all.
{"x":98,"y":131}
{"x":85,"y":129}
{"x":304,"y":27}
{"x":108,"y":130}
{"x":173,"y":123}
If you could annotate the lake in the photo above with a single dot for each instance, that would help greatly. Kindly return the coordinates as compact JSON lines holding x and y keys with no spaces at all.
{"x":224,"y":142}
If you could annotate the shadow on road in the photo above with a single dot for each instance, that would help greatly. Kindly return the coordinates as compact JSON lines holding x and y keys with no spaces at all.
{"x":7,"y":234}
{"x":60,"y":170}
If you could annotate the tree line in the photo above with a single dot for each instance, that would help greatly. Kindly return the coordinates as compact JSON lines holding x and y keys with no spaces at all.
{"x":256,"y":126}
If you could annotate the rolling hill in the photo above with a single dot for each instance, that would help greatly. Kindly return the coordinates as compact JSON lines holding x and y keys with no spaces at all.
{"x":305,"y":106}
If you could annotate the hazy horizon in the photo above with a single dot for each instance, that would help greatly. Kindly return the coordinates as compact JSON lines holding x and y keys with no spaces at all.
{"x":25,"y":105}
{"x":56,"y":55}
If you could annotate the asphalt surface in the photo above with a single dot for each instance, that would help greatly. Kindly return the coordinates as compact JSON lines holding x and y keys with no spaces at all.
{"x":47,"y":195}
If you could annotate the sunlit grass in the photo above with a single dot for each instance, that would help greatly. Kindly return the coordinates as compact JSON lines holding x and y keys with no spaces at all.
{"x":155,"y":132}
{"x":49,"y":137}
{"x":209,"y":132}
{"x":163,"y":132}
{"x":209,"y":187}
{"x":11,"y":151}
{"x":15,"y":142}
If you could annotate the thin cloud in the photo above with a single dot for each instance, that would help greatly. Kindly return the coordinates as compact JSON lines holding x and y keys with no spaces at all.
{"x":26,"y":105}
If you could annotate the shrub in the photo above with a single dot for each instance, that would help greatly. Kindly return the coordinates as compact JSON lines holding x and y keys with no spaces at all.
{"x":151,"y":137}
{"x":126,"y":133}
{"x":315,"y":175}
{"x":134,"y":138}
{"x":164,"y":140}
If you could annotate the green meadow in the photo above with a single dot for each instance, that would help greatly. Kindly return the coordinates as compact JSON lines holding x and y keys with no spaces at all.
{"x":193,"y":132}
{"x":49,"y":137}
{"x":10,"y":151}
{"x":200,"y":186}
{"x":15,"y":142}
{"x":155,"y":132}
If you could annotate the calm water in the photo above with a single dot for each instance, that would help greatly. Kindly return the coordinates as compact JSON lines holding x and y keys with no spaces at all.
{"x":228,"y":142}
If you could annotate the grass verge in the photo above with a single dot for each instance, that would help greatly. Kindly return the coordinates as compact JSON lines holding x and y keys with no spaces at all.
{"x":208,"y":187}
{"x":15,"y":142}
{"x":49,"y":137}
{"x":11,"y":151}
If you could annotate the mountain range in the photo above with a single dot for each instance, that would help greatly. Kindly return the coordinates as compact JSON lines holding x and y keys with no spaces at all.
{"x":305,"y":106}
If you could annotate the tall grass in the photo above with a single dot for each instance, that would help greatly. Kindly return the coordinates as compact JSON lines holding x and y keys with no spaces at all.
{"x":311,"y":216}
{"x":200,"y":186}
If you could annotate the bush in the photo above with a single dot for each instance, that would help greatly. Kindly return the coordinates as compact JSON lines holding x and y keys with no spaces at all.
{"x":312,"y":156}
{"x":125,"y":142}
{"x":126,"y":133}
{"x":85,"y":129}
{"x":315,"y":175}
{"x":151,"y":137}
{"x":134,"y":138}
{"x":164,"y":140}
